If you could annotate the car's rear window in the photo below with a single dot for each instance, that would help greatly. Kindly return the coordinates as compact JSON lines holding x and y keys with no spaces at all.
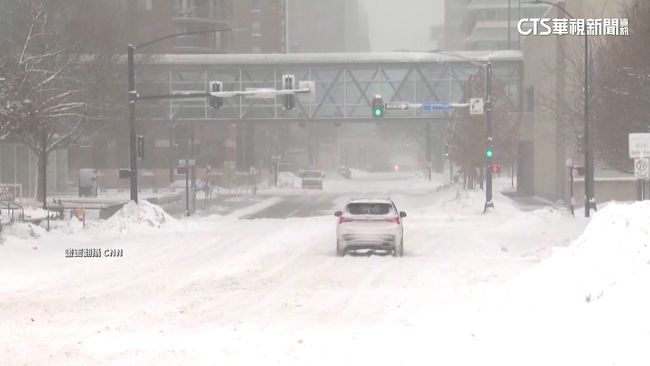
{"x":312,"y":175}
{"x":369,"y":208}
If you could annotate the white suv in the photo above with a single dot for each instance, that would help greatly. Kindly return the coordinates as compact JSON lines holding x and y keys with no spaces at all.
{"x":370,"y":223}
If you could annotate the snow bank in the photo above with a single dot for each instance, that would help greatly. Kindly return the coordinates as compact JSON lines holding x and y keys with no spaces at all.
{"x":132,"y":219}
{"x":135,"y":217}
{"x":589,"y":300}
{"x":613,"y":247}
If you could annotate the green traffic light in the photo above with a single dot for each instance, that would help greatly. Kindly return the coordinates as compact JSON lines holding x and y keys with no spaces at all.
{"x":447,"y":154}
{"x":377,"y":112}
{"x":489,"y":153}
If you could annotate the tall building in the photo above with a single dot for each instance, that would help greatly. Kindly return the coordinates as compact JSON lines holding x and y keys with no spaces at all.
{"x":163,"y":17}
{"x":262,"y":26}
{"x":316,"y":26}
{"x":484,"y":24}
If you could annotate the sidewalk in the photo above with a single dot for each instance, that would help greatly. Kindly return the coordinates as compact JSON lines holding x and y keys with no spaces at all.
{"x":529,"y":203}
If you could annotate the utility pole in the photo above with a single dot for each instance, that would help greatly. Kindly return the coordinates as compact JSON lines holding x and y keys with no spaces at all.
{"x":133,"y":98}
{"x":133,"y":156}
{"x":488,"y":127}
{"x":193,"y":168}
{"x":427,"y":132}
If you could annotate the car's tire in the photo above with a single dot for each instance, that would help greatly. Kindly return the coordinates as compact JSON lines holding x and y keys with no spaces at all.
{"x":399,"y":250}
{"x":339,"y":252}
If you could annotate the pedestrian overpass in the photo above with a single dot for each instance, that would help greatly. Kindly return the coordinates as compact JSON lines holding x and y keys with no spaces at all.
{"x":345,"y":84}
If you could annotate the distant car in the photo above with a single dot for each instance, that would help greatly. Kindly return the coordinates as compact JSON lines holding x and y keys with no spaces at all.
{"x":312,"y":179}
{"x":370,"y":223}
{"x":345,"y":172}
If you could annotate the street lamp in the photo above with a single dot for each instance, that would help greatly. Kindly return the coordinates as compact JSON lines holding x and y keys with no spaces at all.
{"x":589,"y":157}
{"x":133,"y":97}
{"x":488,"y":124}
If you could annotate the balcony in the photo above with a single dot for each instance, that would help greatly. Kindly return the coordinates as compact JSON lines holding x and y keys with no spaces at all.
{"x":199,"y":14}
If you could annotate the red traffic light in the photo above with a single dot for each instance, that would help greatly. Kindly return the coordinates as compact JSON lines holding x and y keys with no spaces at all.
{"x":496,"y":169}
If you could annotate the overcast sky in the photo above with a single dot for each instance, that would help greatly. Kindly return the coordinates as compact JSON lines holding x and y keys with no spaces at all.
{"x":397,"y":24}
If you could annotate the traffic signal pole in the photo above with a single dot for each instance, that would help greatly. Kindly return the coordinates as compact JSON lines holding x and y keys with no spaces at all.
{"x":133,"y":156}
{"x":428,"y":144}
{"x":488,"y":127}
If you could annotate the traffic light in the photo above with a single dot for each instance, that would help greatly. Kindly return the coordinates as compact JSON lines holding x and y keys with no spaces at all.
{"x":140,"y":146}
{"x":489,"y":152}
{"x":446,"y":150}
{"x":215,"y":87}
{"x":581,"y":143}
{"x":496,"y":169}
{"x":288,"y":100}
{"x":377,"y":106}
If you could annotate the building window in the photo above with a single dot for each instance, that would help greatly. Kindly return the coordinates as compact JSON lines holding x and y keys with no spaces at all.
{"x":257,"y":49}
{"x":145,"y":4}
{"x":530,"y":99}
{"x":488,"y":14}
{"x":256,"y":29}
{"x":256,"y":5}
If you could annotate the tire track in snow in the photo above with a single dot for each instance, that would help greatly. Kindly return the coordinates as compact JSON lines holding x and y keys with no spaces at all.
{"x":357,"y":302}
{"x":269,"y":282}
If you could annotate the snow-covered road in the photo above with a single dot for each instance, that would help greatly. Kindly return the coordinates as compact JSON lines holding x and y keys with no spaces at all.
{"x":224,"y":291}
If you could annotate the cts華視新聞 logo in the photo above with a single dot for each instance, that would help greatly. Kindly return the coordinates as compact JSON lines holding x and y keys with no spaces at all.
{"x":573,"y":27}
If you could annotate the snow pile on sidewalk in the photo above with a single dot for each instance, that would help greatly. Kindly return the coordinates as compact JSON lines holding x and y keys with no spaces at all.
{"x":288,"y":180}
{"x":613,"y":247}
{"x":589,"y":299}
{"x":536,"y":235}
{"x":136,"y":217}
{"x":538,"y":217}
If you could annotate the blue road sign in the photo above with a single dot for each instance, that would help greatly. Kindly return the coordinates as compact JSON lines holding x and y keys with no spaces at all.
{"x":433,"y":107}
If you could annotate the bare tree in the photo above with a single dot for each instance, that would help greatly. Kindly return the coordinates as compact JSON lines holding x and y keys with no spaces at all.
{"x":467,"y":140}
{"x":65,"y":55}
{"x":619,"y":89}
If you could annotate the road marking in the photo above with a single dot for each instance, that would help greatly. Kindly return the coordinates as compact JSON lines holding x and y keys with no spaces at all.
{"x":292,"y":213}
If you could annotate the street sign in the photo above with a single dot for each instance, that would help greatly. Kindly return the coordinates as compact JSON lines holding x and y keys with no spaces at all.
{"x":396,"y":106}
{"x":641,"y":168}
{"x":187,"y":162}
{"x":476,"y":106}
{"x":308,"y":97}
{"x":435,"y":107}
{"x":639,"y":145}
{"x":260,"y":93}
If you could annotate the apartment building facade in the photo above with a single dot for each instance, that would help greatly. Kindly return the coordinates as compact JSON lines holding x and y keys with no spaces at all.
{"x":484,"y":24}
{"x":268,"y":26}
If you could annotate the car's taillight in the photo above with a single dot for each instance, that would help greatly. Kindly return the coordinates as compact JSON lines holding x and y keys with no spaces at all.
{"x":344,"y":219}
{"x":394,"y":219}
